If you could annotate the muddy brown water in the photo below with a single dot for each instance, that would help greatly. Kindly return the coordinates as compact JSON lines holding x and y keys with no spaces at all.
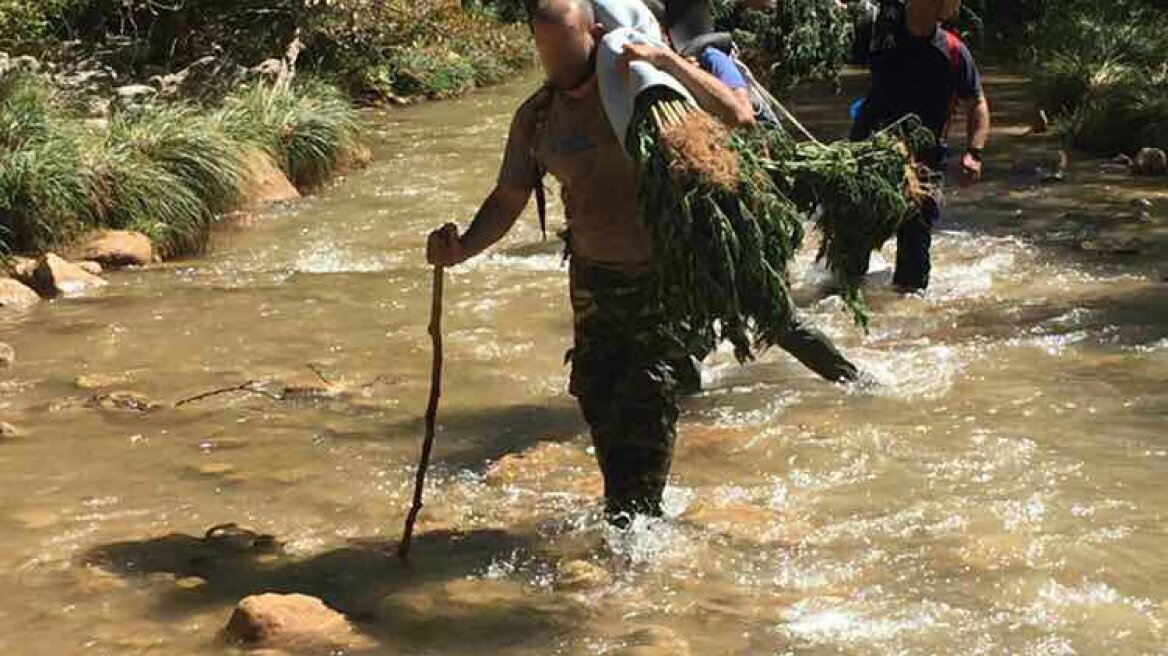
{"x":1001,"y":492}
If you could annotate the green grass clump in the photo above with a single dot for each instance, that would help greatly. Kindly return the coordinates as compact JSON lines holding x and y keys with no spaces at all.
{"x":307,"y":129}
{"x":44,"y":194}
{"x":169,"y":172}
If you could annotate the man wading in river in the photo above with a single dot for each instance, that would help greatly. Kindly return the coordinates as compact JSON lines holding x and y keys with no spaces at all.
{"x":625,"y":357}
{"x":920,"y":68}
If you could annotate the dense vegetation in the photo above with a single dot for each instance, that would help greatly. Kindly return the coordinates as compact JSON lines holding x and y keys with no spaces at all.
{"x":1101,"y":68}
{"x":374,"y":49}
{"x":84,"y":147}
{"x":168,"y":172}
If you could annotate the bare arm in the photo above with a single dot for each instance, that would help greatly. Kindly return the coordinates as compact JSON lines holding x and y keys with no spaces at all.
{"x":977,"y":120}
{"x":712,"y":95}
{"x":492,"y":222}
{"x":977,"y":115}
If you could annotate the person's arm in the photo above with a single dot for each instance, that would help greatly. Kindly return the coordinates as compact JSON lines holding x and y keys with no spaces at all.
{"x":711,"y":94}
{"x":492,"y":222}
{"x":518,"y":176}
{"x":977,"y":115}
{"x":977,"y":121}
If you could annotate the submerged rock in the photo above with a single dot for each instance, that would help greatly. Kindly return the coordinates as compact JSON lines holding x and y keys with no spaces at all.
{"x":118,"y":248}
{"x":56,"y":277}
{"x":7,"y":356}
{"x":15,"y":295}
{"x":579,"y":575}
{"x":92,"y":382}
{"x":294,"y":622}
{"x":8,"y":431}
{"x":123,"y":401}
{"x":548,"y":466}
{"x":653,"y":641}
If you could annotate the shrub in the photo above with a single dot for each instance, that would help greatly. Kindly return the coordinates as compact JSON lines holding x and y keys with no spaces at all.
{"x":1103,"y":71}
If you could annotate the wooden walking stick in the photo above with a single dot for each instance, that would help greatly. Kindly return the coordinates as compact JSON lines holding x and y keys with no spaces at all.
{"x":403,"y":550}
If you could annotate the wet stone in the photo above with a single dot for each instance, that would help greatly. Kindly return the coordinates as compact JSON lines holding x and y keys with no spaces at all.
{"x":222,"y":444}
{"x":296,"y":623}
{"x":15,"y":295}
{"x":190,"y":583}
{"x":56,"y":277}
{"x":123,"y":401}
{"x":222,"y":472}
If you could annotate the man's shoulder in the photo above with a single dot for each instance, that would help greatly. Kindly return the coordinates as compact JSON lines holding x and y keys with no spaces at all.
{"x":536,"y":105}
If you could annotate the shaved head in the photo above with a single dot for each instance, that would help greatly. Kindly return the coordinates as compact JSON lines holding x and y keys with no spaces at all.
{"x":563,"y":13}
{"x":566,"y":36}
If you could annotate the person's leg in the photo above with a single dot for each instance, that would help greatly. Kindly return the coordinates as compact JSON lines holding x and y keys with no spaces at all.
{"x":817,"y":352}
{"x":623,"y":376}
{"x":913,"y":245}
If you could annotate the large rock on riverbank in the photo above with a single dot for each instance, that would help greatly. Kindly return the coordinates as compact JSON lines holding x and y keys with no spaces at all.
{"x":295,"y":623}
{"x":15,"y":295}
{"x":56,"y":277}
{"x":266,"y":182}
{"x":117,"y":248}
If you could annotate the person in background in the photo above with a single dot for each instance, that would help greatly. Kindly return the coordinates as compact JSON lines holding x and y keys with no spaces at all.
{"x":922,"y":69}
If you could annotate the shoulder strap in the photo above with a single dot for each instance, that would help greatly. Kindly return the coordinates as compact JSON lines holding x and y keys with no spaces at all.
{"x":543,"y":104}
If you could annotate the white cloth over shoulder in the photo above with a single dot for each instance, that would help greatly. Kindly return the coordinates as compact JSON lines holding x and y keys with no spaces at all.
{"x":633,"y":14}
{"x":618,"y":92}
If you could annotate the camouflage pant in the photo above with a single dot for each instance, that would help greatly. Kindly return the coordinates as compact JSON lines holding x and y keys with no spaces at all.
{"x":624,"y":375}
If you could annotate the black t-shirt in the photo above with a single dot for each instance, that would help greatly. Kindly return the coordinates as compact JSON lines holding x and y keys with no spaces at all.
{"x":915,"y":75}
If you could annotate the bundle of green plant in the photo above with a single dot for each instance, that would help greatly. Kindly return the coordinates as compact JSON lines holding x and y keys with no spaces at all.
{"x":307,"y":129}
{"x":857,"y":193}
{"x":44,"y":191}
{"x":722,"y":234}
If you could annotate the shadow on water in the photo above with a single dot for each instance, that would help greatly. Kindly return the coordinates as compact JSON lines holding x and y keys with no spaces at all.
{"x":431,"y":601}
{"x":471,"y":438}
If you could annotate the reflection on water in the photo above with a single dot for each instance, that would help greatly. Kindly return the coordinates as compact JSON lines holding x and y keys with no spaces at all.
{"x":998,"y":490}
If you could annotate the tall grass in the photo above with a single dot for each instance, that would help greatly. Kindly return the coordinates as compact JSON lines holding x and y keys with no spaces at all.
{"x":169,"y":172}
{"x":307,"y":129}
{"x":44,"y":195}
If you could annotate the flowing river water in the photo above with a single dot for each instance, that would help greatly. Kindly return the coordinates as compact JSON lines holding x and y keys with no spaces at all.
{"x":1001,"y":491}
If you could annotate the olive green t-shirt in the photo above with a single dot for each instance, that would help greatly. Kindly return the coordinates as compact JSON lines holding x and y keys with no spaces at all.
{"x":572,"y":139}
